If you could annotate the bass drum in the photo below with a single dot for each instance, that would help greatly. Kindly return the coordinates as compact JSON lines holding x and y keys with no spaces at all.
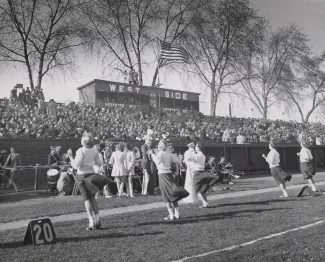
{"x":52,"y":175}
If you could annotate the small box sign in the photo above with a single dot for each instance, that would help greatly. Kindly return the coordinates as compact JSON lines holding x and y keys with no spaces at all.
{"x":40,"y":232}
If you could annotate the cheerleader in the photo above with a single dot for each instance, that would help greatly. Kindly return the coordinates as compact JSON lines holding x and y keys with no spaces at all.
{"x":202,"y":180}
{"x":280,"y":177}
{"x":189,"y":185}
{"x":306,"y":167}
{"x":170,"y":191}
{"x":130,"y":163}
{"x":119,"y":168}
{"x":86,"y":158}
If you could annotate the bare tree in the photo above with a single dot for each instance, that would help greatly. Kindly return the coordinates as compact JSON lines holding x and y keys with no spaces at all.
{"x":120,"y":31}
{"x":215,"y":38}
{"x":305,"y":82}
{"x":264,"y":66}
{"x":41,"y":35}
{"x":174,"y":18}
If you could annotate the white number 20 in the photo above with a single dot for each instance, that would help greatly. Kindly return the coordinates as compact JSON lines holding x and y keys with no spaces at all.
{"x":47,"y":233}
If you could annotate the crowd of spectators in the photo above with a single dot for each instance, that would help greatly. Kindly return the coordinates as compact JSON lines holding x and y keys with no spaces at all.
{"x":26,"y":118}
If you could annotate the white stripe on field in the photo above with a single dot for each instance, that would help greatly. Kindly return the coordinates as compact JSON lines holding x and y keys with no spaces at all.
{"x":251,"y":242}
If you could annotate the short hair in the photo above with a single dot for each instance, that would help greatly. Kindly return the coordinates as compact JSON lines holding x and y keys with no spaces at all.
{"x":304,"y":143}
{"x":273,"y":144}
{"x":128,"y":146}
{"x":87,"y":140}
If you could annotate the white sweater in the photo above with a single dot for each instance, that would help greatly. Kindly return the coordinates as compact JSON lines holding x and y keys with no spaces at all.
{"x":86,"y":159}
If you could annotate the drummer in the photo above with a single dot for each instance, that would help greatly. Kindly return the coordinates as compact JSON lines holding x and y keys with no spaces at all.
{"x":57,"y":153}
{"x":52,"y":160}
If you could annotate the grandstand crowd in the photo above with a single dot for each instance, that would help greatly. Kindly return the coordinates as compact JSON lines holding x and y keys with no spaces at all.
{"x":27,"y":116}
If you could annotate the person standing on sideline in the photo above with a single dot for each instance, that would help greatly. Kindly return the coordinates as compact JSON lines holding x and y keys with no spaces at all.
{"x":189,"y":185}
{"x":86,"y":158}
{"x":306,"y":167}
{"x":280,"y":177}
{"x":119,"y":168}
{"x":170,"y":191}
{"x":149,"y":168}
{"x":130,"y":163}
{"x":202,"y":180}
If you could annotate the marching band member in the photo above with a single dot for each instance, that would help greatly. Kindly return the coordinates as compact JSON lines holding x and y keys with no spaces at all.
{"x":149,"y":167}
{"x":119,"y":168}
{"x":280,"y":177}
{"x":86,"y":158}
{"x":223,"y":168}
{"x":202,"y":180}
{"x":170,"y":191}
{"x":210,"y":166}
{"x":189,"y":185}
{"x":57,"y":153}
{"x":130,"y":163}
{"x":52,"y":159}
{"x":306,"y":167}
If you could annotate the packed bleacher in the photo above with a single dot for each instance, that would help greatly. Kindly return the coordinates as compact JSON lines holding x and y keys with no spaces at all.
{"x":31,"y":118}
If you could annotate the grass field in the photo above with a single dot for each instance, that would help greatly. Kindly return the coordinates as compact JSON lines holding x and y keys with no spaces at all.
{"x":144,"y":236}
{"x":33,"y":205}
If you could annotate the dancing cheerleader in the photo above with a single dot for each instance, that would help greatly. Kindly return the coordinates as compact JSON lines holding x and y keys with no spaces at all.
{"x":280,"y":177}
{"x":170,"y":191}
{"x":86,"y":158}
{"x":202,"y":180}
{"x":189,"y":185}
{"x":306,"y":167}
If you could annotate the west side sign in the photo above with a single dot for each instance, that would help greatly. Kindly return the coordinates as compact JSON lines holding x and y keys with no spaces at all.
{"x":107,"y":86}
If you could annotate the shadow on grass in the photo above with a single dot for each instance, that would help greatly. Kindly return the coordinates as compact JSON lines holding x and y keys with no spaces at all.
{"x":82,"y":239}
{"x":212,"y":217}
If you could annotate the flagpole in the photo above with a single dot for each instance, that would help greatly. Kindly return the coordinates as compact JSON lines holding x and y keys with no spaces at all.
{"x":158,"y":77}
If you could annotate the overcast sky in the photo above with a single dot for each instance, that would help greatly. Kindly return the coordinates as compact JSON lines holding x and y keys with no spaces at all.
{"x":308,"y":14}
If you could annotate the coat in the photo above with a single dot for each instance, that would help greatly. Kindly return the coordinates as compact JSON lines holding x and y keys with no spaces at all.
{"x":119,"y":162}
{"x":52,"y":110}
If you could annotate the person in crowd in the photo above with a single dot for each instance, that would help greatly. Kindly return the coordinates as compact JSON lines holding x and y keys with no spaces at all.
{"x":21,"y":96}
{"x":52,"y":159}
{"x":149,"y":167}
{"x":202,"y":180}
{"x":240,"y":138}
{"x":119,"y":168}
{"x":170,"y":191}
{"x":130,"y":164}
{"x":86,"y":158}
{"x":306,"y":166}
{"x":280,"y":177}
{"x":52,"y":110}
{"x":13,"y":93}
{"x":189,"y":184}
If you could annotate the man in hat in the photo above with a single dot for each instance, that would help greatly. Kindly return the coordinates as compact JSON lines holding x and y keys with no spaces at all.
{"x":149,"y":167}
{"x":189,"y":185}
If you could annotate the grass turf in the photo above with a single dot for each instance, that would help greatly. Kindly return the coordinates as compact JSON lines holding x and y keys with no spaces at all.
{"x":33,"y":205}
{"x":144,"y":236}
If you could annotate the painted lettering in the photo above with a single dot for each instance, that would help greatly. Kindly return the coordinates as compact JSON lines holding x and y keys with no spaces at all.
{"x":138,"y":89}
{"x":167,"y":94}
{"x":130,"y":88}
{"x":184,"y":96}
{"x":177,"y":95}
{"x":121,"y":89}
{"x":113,"y":87}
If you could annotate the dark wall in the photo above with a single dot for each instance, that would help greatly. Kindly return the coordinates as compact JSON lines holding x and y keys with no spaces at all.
{"x":245,"y":157}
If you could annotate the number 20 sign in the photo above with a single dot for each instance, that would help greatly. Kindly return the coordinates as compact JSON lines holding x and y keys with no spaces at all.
{"x":40,"y":232}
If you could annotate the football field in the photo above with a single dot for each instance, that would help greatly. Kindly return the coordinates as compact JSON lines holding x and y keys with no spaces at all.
{"x":259,"y":227}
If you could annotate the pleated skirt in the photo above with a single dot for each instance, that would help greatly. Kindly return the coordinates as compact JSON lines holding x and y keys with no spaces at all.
{"x":307,"y":170}
{"x":170,"y":191}
{"x":204,"y":180}
{"x":279,"y":176}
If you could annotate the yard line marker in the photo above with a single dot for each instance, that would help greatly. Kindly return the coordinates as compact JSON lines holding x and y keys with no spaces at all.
{"x":251,"y":242}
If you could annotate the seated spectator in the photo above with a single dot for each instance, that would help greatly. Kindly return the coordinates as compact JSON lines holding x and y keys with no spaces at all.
{"x":240,"y":138}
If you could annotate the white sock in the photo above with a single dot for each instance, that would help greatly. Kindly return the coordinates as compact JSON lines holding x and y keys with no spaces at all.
{"x":171,"y":213}
{"x":91,"y":221}
{"x":176,"y":210}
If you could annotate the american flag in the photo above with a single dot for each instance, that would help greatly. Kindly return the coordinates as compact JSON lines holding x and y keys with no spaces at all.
{"x":173,"y":52}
